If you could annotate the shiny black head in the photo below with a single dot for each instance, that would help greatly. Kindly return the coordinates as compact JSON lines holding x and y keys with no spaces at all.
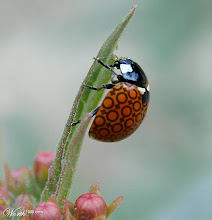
{"x":131,"y":71}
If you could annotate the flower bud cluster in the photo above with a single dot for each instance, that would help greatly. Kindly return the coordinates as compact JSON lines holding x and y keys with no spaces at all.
{"x":20,"y":195}
{"x":24,"y":186}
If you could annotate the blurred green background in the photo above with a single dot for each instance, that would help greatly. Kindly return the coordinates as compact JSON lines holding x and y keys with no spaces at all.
{"x":164,"y":169}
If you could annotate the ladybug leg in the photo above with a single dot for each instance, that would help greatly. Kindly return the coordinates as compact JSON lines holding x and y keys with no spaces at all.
{"x":106,"y":66}
{"x":104,"y":86}
{"x":115,"y":81}
{"x":73,"y":124}
{"x":93,"y":113}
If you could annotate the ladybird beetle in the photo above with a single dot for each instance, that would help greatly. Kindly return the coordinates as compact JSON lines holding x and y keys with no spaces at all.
{"x":124,"y":106}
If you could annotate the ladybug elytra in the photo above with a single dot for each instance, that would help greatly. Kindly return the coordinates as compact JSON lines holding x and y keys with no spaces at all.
{"x":125,"y":105}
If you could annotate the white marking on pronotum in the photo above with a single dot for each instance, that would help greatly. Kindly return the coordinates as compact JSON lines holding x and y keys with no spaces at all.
{"x":148,"y":88}
{"x":142,"y":90}
{"x":126,"y":68}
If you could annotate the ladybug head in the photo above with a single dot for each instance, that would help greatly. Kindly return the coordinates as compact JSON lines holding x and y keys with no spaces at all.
{"x":131,"y":71}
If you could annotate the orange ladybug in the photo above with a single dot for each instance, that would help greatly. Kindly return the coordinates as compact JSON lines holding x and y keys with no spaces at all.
{"x":124,"y":106}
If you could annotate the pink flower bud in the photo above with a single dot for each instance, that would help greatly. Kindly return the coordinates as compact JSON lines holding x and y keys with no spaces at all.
{"x":19,"y":174}
{"x":42,"y":163}
{"x":90,"y":206}
{"x":17,"y":180}
{"x":47,"y":211}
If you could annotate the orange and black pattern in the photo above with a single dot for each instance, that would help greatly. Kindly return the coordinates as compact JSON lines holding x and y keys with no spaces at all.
{"x":120,"y":114}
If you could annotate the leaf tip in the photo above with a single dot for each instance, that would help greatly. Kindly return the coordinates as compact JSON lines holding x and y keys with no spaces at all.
{"x":134,"y":7}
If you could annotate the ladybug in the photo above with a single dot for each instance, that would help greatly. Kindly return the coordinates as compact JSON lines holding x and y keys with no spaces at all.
{"x":125,"y":105}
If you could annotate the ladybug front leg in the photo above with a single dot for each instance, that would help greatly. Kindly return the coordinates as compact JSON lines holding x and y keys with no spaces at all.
{"x":104,"y":86}
{"x":106,"y":66}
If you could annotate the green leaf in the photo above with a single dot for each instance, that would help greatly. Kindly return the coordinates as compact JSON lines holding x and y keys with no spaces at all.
{"x":113,"y":205}
{"x":85,"y":101}
{"x":72,"y":156}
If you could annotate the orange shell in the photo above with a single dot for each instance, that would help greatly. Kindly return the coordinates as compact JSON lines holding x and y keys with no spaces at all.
{"x":119,"y":115}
